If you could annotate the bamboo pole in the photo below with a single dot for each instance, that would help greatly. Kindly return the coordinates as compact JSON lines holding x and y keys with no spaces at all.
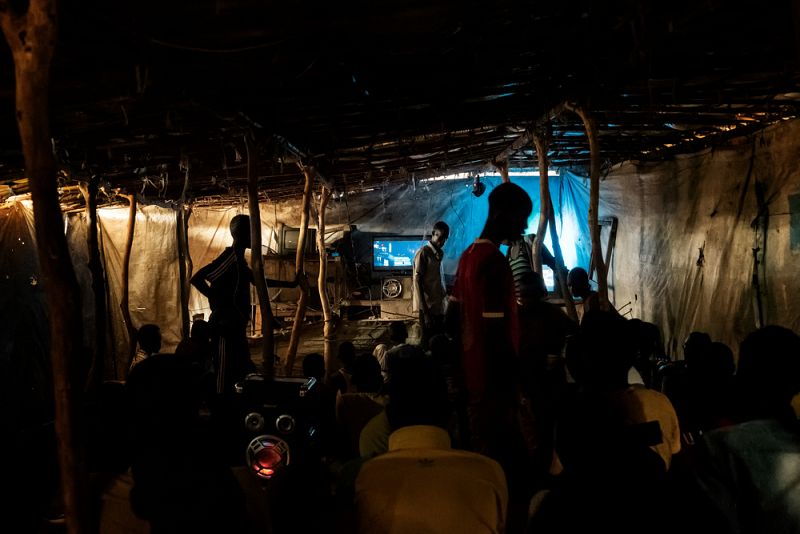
{"x":31,"y":36}
{"x":97,"y":371}
{"x":322,"y":285}
{"x":124,"y":305}
{"x":189,"y":262}
{"x":300,"y":312}
{"x":594,"y":199}
{"x":540,"y":140}
{"x":502,"y":167}
{"x":181,"y":227}
{"x":257,"y":264}
{"x":540,"y":144}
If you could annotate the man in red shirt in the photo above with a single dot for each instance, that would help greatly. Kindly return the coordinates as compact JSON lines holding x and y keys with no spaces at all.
{"x":485,"y":298}
{"x":484,"y":295}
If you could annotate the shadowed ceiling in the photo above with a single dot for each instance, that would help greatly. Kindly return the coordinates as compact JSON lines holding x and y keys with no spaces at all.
{"x":148,"y":94}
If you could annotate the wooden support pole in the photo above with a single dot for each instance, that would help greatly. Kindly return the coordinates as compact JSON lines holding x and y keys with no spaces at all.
{"x":124,"y":305}
{"x":31,"y":36}
{"x":594,"y":200}
{"x":189,"y":262}
{"x":97,"y":371}
{"x":523,"y":140}
{"x":540,"y":141}
{"x":257,"y":263}
{"x":540,"y":144}
{"x":182,"y":227}
{"x":502,"y":167}
{"x":300,"y":312}
{"x":518,"y":144}
{"x":322,"y":283}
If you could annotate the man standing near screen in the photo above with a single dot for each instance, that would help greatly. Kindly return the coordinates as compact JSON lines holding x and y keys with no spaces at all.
{"x":430,"y":297}
{"x":225,"y":282}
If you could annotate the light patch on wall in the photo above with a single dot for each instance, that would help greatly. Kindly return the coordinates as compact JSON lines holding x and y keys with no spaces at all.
{"x":568,"y":235}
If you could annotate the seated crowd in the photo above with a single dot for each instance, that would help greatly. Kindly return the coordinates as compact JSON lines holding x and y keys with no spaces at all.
{"x":595,"y":447}
{"x":510,"y":418}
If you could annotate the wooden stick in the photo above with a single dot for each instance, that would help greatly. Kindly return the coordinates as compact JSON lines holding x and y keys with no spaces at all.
{"x":522,"y":141}
{"x":189,"y":262}
{"x":594,"y":200}
{"x":540,"y":144}
{"x":126,"y":267}
{"x":502,"y":166}
{"x":540,"y":140}
{"x":300,"y":312}
{"x":322,"y":284}
{"x":97,"y":371}
{"x":31,"y":37}
{"x":181,"y":227}
{"x":257,"y":263}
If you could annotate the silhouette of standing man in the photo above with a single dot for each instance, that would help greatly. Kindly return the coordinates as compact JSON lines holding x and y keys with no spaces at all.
{"x":487,"y":306}
{"x":226,"y":283}
{"x":484,"y":295}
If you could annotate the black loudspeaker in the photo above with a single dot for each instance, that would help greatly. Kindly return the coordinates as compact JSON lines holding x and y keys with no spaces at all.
{"x":396,"y":287}
{"x":279,"y":419}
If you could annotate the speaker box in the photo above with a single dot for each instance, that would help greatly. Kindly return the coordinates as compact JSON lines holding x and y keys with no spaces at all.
{"x":286,"y":408}
{"x":396,"y":298}
{"x":396,"y":288}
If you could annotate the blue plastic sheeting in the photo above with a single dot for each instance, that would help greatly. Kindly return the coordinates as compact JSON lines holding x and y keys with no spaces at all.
{"x":466,"y":215}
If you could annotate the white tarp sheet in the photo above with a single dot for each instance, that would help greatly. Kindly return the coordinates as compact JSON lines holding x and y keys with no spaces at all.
{"x":670,"y":211}
{"x":154,"y":286}
{"x":667,"y":213}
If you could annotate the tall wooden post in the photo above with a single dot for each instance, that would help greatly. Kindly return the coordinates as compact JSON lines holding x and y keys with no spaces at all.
{"x":189,"y":262}
{"x":257,"y":263}
{"x":594,"y":200}
{"x":502,"y":167}
{"x":322,"y":284}
{"x":540,"y":140}
{"x":97,"y":372}
{"x":181,"y":227}
{"x":31,"y":37}
{"x":124,"y":305}
{"x":300,"y":312}
{"x":540,"y":144}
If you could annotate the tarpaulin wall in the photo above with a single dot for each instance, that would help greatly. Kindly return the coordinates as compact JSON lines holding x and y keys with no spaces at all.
{"x":153,"y":278}
{"x":25,"y":378}
{"x":154,"y":286}
{"x":412,"y":209}
{"x":670,"y":212}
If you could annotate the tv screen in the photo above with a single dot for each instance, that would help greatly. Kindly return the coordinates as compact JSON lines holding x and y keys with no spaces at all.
{"x":292,"y":235}
{"x":395,"y":252}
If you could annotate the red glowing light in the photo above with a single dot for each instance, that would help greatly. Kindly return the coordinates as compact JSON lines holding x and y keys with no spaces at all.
{"x":266,"y":455}
{"x":267,"y":458}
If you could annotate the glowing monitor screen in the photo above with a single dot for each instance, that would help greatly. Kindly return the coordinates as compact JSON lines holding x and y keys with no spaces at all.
{"x":395,"y":253}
